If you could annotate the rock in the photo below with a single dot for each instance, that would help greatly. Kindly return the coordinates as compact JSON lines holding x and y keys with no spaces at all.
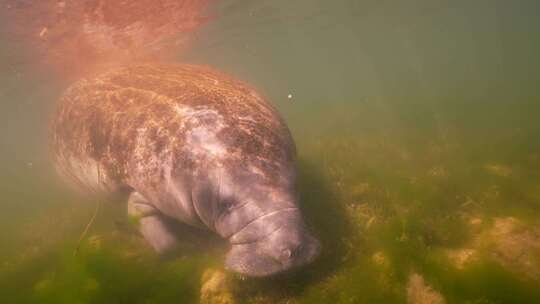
{"x":418,"y":292}
{"x":216,"y":288}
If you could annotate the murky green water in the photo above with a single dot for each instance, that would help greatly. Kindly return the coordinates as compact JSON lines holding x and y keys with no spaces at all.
{"x":417,"y":126}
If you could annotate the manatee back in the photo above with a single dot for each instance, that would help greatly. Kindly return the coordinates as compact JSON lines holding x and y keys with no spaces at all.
{"x":133,"y":126}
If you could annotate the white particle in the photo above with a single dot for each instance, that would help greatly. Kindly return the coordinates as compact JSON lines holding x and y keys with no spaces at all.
{"x":289,"y":96}
{"x":43,"y":33}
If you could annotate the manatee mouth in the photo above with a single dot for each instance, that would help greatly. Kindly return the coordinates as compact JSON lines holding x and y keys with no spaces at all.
{"x":256,"y":259}
{"x":244,"y":259}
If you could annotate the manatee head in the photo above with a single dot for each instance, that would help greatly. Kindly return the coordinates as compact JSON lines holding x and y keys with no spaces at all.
{"x":272,"y":244}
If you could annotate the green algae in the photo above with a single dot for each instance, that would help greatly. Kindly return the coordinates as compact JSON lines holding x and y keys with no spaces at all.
{"x":381,"y":211}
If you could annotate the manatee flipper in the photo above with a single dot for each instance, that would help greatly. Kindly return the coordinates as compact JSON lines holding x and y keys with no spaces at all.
{"x":152,"y":224}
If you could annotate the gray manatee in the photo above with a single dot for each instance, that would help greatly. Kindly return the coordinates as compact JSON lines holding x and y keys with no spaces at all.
{"x":193,"y":145}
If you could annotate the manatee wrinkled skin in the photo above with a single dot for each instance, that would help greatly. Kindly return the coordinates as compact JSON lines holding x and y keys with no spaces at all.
{"x":192,"y":145}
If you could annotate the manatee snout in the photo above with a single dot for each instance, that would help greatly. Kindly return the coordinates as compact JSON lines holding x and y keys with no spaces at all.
{"x":288,"y":247}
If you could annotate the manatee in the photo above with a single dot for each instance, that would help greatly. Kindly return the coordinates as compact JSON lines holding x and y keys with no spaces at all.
{"x":193,"y":145}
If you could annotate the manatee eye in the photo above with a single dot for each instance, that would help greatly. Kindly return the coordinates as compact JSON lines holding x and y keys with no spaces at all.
{"x":227,"y":205}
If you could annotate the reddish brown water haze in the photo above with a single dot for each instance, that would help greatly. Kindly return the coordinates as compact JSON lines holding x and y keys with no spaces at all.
{"x":75,"y":38}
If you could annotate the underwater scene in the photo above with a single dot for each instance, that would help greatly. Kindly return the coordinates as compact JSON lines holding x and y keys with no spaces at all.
{"x":416,"y":126}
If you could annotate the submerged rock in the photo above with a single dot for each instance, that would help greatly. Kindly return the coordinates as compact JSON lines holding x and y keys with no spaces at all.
{"x":515,"y":246}
{"x":216,"y":288}
{"x":418,"y":292}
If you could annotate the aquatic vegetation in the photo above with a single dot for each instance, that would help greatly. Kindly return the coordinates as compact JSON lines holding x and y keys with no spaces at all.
{"x":420,"y":293}
{"x":215,"y":288}
{"x":400,"y":222}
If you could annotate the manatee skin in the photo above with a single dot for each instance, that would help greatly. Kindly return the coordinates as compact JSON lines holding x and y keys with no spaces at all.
{"x":193,"y":145}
